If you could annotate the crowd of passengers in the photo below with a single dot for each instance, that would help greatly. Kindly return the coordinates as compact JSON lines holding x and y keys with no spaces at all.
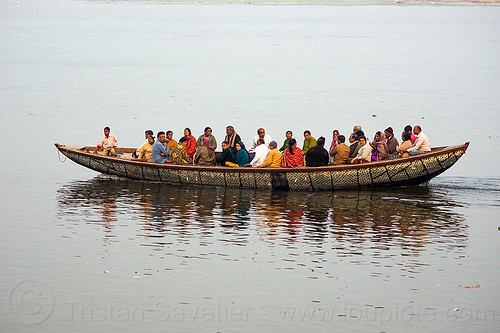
{"x":264,"y":152}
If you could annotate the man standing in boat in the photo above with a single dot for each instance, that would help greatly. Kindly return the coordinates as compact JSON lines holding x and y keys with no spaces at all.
{"x":160,"y":152}
{"x":108,"y":143}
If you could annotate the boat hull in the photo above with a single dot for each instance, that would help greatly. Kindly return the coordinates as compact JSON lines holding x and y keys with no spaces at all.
{"x":408,"y":171}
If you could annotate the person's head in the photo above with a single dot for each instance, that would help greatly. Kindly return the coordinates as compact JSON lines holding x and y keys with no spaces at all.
{"x":261,"y":132}
{"x":148,"y":133}
{"x":273,"y":145}
{"x":321,"y":141}
{"x":208,"y":131}
{"x":360,"y":133}
{"x":335,"y":133}
{"x":161,"y":136}
{"x":307,"y":134}
{"x":353,"y":138}
{"x":417,"y":129}
{"x":183,"y":141}
{"x":341,"y":138}
{"x":106,"y":131}
{"x":229,"y":130}
{"x":289,"y":134}
{"x":187,"y":132}
{"x":388,"y":132}
{"x":241,"y":145}
{"x":169,"y":135}
{"x":292,"y":143}
{"x":405,"y":136}
{"x":237,"y":146}
{"x":225,"y":145}
{"x":151,"y":139}
{"x":260,"y":142}
{"x":362,"y":140}
{"x":408,"y":128}
{"x":378,"y":136}
{"x":356,"y":128}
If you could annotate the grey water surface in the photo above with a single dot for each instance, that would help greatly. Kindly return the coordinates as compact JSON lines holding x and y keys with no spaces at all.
{"x":82,"y":252}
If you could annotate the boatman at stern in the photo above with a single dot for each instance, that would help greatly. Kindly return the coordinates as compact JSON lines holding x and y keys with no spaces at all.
{"x":108,"y":143}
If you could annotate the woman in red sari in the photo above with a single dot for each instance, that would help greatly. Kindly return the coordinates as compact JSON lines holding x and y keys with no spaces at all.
{"x":191,"y":142}
{"x":293,"y":156}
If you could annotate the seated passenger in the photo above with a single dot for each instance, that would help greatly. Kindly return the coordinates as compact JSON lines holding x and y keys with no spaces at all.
{"x":413,"y":137}
{"x":260,"y":154}
{"x":226,"y":156}
{"x":108,"y":143}
{"x":273,"y":159}
{"x":335,"y":141}
{"x":288,"y":136}
{"x":207,"y":134}
{"x":354,"y":147}
{"x":147,"y":134}
{"x":421,"y":145}
{"x":364,"y":153}
{"x":392,"y":142}
{"x":309,"y":142}
{"x":317,"y":156}
{"x":232,"y":138}
{"x":205,"y":154}
{"x":261,"y":134}
{"x":179,"y":155}
{"x":379,"y":146}
{"x":169,"y":141}
{"x":147,"y":149}
{"x":160,"y":152}
{"x":340,"y":153}
{"x":353,"y":137}
{"x":191,"y":142}
{"x":242,"y":158}
{"x":293,"y":156}
{"x":406,"y":137}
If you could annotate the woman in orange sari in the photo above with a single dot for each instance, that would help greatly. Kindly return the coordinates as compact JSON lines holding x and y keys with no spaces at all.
{"x":293,"y":157}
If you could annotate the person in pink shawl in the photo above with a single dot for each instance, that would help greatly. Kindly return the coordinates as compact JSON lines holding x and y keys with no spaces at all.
{"x":335,"y":140}
{"x":379,"y":145}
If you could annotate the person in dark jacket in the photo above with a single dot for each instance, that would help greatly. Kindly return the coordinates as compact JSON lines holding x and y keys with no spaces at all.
{"x":226,"y":156}
{"x":317,"y":155}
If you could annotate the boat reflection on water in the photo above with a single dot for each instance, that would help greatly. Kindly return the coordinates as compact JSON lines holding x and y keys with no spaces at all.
{"x":378,"y":224}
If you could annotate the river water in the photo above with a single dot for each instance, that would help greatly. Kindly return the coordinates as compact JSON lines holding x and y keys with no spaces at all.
{"x":84,"y":252}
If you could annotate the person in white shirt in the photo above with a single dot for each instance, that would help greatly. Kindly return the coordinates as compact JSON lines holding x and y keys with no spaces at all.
{"x":421,"y":145}
{"x":261,"y":152}
{"x":364,"y":153}
{"x":261,"y":134}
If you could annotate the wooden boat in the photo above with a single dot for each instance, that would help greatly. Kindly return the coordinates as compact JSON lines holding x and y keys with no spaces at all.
{"x":406,"y":171}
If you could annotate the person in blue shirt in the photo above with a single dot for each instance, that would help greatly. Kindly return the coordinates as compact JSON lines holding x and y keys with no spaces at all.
{"x":160,"y":152}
